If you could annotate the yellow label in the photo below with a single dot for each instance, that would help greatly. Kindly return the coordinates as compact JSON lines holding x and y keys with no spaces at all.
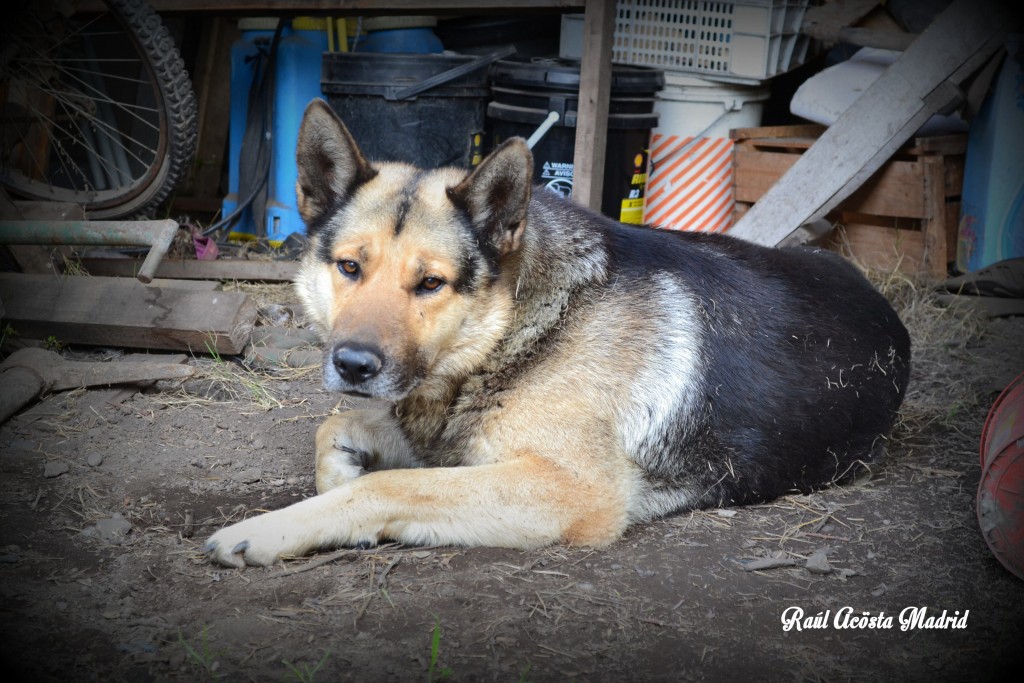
{"x":632,"y":211}
{"x":639,"y":179}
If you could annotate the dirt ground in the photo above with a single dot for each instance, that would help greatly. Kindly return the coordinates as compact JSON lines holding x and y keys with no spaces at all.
{"x":107,"y":499}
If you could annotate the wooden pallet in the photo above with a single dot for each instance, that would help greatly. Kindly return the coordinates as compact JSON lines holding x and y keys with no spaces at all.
{"x":905,"y":216}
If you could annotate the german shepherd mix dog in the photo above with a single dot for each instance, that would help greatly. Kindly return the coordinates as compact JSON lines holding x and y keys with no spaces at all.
{"x":554,"y":376}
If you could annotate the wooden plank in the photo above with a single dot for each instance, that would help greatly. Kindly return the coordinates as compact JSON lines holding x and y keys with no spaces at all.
{"x":268,"y":271}
{"x":755,"y":172}
{"x":595,"y":94}
{"x":794,"y":145}
{"x":808,"y":130}
{"x":946,"y":145}
{"x":97,"y":399}
{"x":885,"y":115}
{"x":935,"y":248}
{"x":881,"y":248}
{"x":212,"y":80}
{"x":804,"y":135}
{"x":198,"y":285}
{"x":952,"y":227}
{"x":898,"y":189}
{"x":91,"y":310}
{"x":335,"y":7}
{"x":895,"y":190}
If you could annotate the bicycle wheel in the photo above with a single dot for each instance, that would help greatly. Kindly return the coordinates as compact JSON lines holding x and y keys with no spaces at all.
{"x":96,"y":110}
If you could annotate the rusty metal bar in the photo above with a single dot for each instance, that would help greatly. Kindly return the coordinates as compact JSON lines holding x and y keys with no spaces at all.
{"x":157,"y":235}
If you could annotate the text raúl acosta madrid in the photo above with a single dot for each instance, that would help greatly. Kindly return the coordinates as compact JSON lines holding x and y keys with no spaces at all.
{"x":910,"y":618}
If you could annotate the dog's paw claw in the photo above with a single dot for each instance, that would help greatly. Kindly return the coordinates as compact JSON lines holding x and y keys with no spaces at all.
{"x":365,"y":545}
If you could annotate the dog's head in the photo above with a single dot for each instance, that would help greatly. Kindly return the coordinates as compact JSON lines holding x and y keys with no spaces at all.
{"x":403,"y":274}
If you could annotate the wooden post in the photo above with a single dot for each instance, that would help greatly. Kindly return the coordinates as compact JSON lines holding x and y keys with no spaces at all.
{"x":934,"y":224}
{"x":212,"y":81}
{"x":595,"y":93}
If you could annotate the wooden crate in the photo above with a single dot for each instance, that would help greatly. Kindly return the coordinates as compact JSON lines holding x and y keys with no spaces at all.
{"x":905,"y":216}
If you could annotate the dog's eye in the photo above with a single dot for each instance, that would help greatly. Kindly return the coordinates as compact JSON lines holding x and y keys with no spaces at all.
{"x":431,"y":284}
{"x":349,"y":268}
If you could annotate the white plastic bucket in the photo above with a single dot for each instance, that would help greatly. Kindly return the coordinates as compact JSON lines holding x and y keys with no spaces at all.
{"x":689,"y":181}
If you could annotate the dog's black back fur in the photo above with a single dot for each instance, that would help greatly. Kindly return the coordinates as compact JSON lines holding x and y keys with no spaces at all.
{"x":804,"y":362}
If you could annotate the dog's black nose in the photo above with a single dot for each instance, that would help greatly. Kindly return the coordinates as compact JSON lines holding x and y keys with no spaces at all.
{"x":357,"y":364}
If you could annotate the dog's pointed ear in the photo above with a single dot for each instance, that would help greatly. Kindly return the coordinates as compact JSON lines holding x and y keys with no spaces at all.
{"x":329,"y":162}
{"x":496,"y":195}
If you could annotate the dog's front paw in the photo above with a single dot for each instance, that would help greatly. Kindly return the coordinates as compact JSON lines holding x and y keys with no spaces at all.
{"x":259,"y":542}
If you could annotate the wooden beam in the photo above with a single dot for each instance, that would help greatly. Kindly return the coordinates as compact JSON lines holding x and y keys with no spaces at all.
{"x":212,"y":81}
{"x":921,"y":82}
{"x":125,"y":313}
{"x":266,"y":271}
{"x":595,"y":94}
{"x":336,"y":7}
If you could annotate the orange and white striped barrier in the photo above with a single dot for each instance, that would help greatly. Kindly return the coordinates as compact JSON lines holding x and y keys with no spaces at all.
{"x":689,"y":183}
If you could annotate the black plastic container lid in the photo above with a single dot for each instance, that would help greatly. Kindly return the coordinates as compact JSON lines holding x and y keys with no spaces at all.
{"x":384,"y":74}
{"x":560,"y":75}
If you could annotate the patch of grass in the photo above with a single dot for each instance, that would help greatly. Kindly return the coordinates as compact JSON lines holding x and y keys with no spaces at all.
{"x":433,"y":673}
{"x":211,"y":348}
{"x":74,"y":267}
{"x":204,"y":657}
{"x":51,"y":343}
{"x":8,"y":332}
{"x":235,"y":381}
{"x":303,"y":672}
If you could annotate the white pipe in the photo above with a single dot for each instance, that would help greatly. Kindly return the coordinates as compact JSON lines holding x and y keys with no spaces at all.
{"x":542,"y":129}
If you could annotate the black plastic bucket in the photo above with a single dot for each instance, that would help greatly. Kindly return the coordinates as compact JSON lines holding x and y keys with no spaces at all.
{"x":523,"y":94}
{"x":441,"y":126}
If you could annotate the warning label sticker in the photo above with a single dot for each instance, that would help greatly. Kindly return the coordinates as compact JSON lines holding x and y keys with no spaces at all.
{"x":558,"y":176}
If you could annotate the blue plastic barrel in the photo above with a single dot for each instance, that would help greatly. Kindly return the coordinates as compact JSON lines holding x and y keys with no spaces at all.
{"x":992,"y":200}
{"x":297,"y":75}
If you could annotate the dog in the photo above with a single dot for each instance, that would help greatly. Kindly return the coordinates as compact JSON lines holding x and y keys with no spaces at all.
{"x":552,"y":376}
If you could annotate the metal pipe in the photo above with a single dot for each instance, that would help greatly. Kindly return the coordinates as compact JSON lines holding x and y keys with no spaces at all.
{"x":157,"y":235}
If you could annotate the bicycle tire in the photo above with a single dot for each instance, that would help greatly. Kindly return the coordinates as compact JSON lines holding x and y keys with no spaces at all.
{"x":176,"y":130}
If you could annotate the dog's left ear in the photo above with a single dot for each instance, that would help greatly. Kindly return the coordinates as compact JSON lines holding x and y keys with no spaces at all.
{"x":496,"y":195}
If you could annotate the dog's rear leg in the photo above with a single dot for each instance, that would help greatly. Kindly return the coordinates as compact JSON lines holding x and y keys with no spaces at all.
{"x":353,"y":443}
{"x":524,"y":502}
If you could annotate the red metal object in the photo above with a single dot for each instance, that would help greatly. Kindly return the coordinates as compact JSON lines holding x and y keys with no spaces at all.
{"x":1001,"y":490}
